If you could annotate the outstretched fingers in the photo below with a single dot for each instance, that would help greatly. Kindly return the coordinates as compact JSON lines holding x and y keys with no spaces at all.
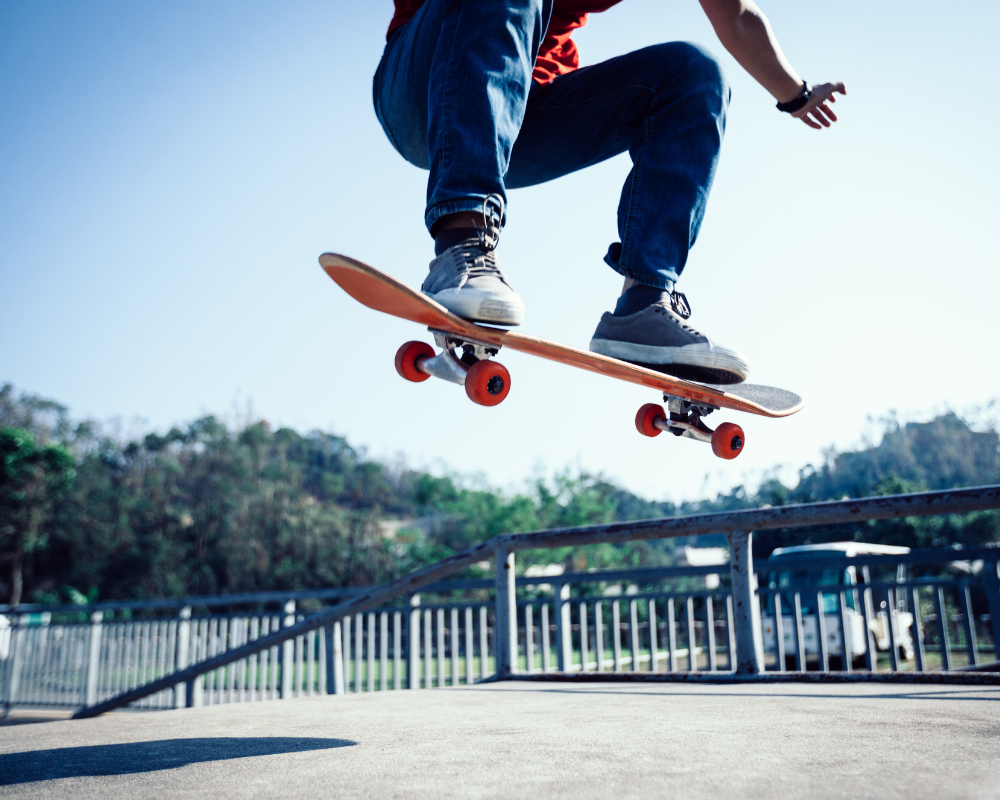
{"x":816,"y":113}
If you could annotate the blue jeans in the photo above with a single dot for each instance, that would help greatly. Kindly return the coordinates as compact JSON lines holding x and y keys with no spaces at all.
{"x":454,"y":95}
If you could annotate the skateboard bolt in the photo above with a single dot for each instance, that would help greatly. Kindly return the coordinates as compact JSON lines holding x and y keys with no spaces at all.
{"x":495,"y":385}
{"x":736,"y":443}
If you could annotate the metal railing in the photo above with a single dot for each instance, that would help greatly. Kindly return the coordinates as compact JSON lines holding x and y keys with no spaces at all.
{"x":706,"y":631}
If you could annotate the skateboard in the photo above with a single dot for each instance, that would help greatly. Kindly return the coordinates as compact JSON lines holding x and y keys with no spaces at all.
{"x":467,"y":352}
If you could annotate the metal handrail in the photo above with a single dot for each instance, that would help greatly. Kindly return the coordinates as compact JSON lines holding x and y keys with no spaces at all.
{"x":736,"y":524}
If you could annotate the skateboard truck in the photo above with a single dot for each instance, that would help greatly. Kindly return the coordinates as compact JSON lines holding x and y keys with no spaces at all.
{"x":685,"y":419}
{"x":486,"y":382}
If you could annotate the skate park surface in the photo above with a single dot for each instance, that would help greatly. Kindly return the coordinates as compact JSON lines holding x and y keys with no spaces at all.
{"x":523,"y":739}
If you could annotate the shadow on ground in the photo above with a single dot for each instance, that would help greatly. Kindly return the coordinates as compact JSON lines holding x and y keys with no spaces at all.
{"x":135,"y":757}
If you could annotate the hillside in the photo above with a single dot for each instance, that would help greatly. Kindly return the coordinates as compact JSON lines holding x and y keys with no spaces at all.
{"x":208,"y":509}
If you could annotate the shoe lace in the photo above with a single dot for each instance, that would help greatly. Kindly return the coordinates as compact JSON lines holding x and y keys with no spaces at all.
{"x":680,"y":306}
{"x":493,"y":219}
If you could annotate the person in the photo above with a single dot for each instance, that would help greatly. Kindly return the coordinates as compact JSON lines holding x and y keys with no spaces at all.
{"x":489,"y":96}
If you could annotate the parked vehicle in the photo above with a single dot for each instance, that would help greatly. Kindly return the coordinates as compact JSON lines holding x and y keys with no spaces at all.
{"x":783,"y":572}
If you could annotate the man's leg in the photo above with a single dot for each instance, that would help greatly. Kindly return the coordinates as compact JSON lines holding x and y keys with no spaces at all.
{"x":665,"y":105}
{"x":451,"y":93}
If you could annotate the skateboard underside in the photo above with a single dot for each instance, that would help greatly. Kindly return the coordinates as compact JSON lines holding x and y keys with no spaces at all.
{"x":467,"y":352}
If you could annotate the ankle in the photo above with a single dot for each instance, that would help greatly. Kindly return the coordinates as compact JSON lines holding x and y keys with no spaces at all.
{"x":637,"y":297}
{"x":449,"y":237}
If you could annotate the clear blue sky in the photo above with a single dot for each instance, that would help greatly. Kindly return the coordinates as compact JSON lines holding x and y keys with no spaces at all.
{"x":169,"y":173}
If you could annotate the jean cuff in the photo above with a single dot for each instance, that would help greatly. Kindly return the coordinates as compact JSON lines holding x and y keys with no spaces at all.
{"x":471,"y":203}
{"x":661,"y":279}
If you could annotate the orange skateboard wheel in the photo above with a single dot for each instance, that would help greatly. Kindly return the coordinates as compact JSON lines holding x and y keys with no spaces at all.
{"x":645,"y":418}
{"x":727,"y":441}
{"x":407,"y":358}
{"x":487,"y":383}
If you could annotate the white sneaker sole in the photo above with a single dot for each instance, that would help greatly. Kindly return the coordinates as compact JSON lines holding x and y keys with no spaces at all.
{"x":479,"y":305}
{"x":707,"y":356}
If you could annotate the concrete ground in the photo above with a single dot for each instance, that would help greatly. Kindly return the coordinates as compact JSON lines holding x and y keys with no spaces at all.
{"x":532,"y":740}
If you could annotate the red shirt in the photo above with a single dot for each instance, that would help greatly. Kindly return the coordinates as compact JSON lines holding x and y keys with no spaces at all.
{"x":557,"y":54}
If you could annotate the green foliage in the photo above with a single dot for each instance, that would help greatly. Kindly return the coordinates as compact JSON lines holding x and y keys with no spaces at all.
{"x":32,"y":479}
{"x":205,"y":509}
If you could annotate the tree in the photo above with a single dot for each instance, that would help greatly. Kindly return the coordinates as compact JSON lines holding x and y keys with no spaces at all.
{"x":32,"y":479}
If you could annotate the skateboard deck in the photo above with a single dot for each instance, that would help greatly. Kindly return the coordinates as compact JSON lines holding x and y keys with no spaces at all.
{"x":382,"y":292}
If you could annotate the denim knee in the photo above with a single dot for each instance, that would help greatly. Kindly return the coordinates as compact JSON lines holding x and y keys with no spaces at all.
{"x":691,"y":65}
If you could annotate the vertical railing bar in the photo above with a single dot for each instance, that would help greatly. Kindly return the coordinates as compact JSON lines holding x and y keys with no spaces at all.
{"x":546,"y":644}
{"x":654,"y":647}
{"x":868,"y":616}
{"x":359,"y":653}
{"x":891,"y":617}
{"x":370,"y":676}
{"x":311,"y":663}
{"x":453,"y":643}
{"x":470,"y":675}
{"x":942,"y":612}
{"x":970,"y":626}
{"x":710,"y":630}
{"x":779,"y":632}
{"x":584,"y":635}
{"x":824,"y":653}
{"x":484,"y":647}
{"x":731,"y":632}
{"x":672,"y":635}
{"x":397,"y":650}
{"x":599,"y":634}
{"x":800,"y":635}
{"x":616,"y":634}
{"x":440,"y":648}
{"x":428,"y":650}
{"x":529,"y":639}
{"x":633,"y":631}
{"x":413,"y":643}
{"x":846,"y":641}
{"x":918,"y":640}
{"x":691,"y":636}
{"x":383,"y":651}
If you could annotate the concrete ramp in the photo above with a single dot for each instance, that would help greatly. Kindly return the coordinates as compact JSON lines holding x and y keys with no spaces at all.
{"x":610,"y":740}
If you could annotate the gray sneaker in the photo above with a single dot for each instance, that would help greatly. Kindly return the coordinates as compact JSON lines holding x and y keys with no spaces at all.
{"x":466,"y":279}
{"x":657,"y":337}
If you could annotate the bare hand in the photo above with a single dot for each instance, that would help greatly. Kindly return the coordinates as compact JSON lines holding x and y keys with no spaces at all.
{"x":821,"y":113}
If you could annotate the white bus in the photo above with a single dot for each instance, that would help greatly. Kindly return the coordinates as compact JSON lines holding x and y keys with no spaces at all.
{"x":879,"y":614}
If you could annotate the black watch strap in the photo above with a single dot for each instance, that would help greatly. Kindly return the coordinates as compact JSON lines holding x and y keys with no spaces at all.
{"x":794,"y":105}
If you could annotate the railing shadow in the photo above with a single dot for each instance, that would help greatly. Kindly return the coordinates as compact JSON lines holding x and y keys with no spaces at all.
{"x":137,"y":757}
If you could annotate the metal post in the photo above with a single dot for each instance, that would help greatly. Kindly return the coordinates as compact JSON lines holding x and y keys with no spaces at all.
{"x":779,"y":632}
{"x":970,"y":626}
{"x":633,"y":630}
{"x":397,"y":655}
{"x":96,"y":635}
{"x":287,"y":652}
{"x":413,"y":639}
{"x":335,"y":660}
{"x":15,"y":655}
{"x":868,"y":615}
{"x":821,"y":637}
{"x":991,"y":583}
{"x":564,"y":628}
{"x":918,"y":641}
{"x":891,"y":613}
{"x":181,"y":694}
{"x":470,"y":675}
{"x":942,"y":611}
{"x":506,"y":614}
{"x":846,"y":642}
{"x":746,"y":610}
{"x":383,"y":651}
{"x":671,"y":636}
